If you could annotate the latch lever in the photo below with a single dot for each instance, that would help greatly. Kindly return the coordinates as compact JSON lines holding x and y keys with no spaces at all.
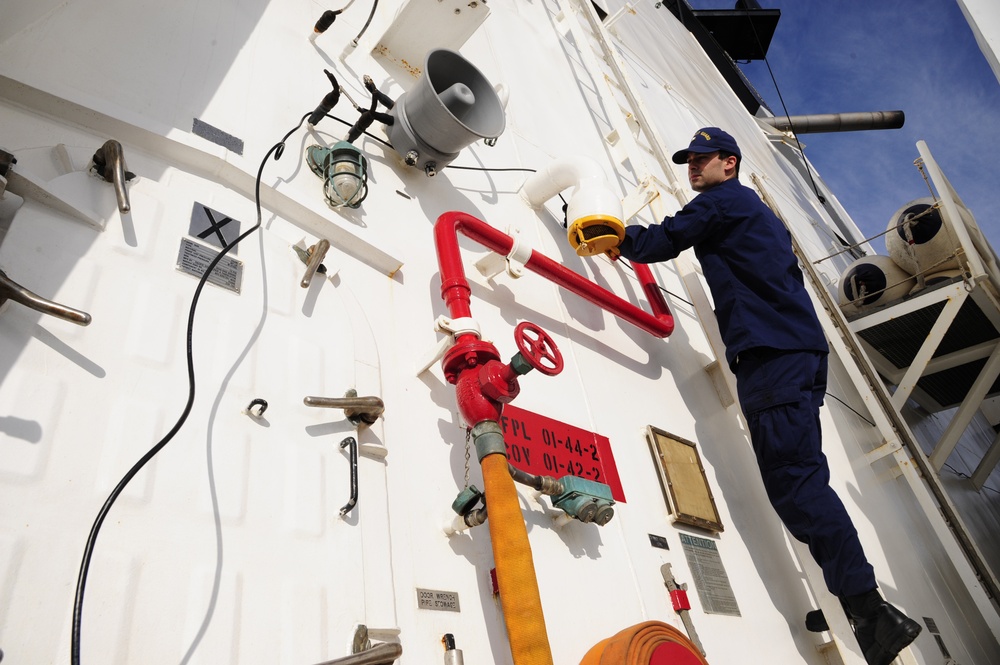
{"x":9,"y":289}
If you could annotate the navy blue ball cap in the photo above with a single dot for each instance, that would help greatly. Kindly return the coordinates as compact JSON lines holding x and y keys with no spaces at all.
{"x":708,"y":139}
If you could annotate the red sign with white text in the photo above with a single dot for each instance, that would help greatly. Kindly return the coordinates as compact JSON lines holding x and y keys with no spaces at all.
{"x":546,"y":447}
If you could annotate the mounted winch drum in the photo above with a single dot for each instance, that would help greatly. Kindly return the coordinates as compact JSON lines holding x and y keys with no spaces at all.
{"x":918,"y":240}
{"x":871,"y":281}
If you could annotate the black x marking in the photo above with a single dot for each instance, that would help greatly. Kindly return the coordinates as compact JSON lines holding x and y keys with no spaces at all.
{"x":215,"y":227}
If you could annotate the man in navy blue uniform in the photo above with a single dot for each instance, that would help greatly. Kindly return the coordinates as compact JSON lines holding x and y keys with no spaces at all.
{"x":776,"y":347}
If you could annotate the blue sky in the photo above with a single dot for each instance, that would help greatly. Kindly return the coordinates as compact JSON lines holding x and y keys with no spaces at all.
{"x":919,"y":56}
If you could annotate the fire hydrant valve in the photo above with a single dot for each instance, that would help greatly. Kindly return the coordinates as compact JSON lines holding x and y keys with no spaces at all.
{"x":586,"y":500}
{"x":499,"y":381}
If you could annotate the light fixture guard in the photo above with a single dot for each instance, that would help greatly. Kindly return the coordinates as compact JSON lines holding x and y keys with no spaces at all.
{"x":344,"y":170}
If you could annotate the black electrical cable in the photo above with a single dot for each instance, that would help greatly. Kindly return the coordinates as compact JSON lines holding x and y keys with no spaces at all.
{"x":325,"y":21}
{"x":371,"y":136}
{"x":88,"y":552}
{"x":380,"y":96}
{"x":670,"y":293}
{"x":760,"y":46}
{"x":967,"y":476}
{"x":328,"y":102}
{"x":950,"y":468}
{"x":484,"y":168}
{"x":852,"y":409}
{"x":368,"y":117}
{"x":371,"y":15}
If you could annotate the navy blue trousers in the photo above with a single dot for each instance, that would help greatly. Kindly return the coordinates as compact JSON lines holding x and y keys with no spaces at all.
{"x":780,"y":393}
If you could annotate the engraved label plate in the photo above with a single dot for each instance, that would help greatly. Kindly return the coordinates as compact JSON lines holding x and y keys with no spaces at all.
{"x":710,"y":578}
{"x":193,"y":258}
{"x":443,"y":601}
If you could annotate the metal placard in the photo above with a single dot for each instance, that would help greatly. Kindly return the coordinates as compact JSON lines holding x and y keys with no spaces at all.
{"x":213,"y":227}
{"x":193,"y":258}
{"x":709,"y":576}
{"x":685,"y":484}
{"x":546,"y":447}
{"x":432,"y":599}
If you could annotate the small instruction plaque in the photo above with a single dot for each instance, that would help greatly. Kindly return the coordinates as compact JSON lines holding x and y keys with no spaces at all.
{"x":431,"y":599}
{"x":193,"y":258}
{"x":714,"y":591}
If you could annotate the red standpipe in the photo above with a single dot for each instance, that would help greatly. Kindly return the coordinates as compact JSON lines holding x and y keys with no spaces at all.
{"x":456,"y":293}
{"x":483,"y":384}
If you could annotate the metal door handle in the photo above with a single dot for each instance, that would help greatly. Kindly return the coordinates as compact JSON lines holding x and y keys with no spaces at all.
{"x":110,"y":162}
{"x":14,"y":291}
{"x":353,"y":443}
{"x":380,"y":654}
{"x":315,"y":254}
{"x":357,"y":409}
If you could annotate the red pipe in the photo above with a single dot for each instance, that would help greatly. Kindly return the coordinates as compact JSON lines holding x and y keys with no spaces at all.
{"x":456,"y":293}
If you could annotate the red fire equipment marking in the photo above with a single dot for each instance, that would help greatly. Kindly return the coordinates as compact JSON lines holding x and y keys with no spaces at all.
{"x":546,"y":447}
{"x":680,"y":600}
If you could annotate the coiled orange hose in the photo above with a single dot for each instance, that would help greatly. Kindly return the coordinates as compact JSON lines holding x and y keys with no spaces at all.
{"x":636,"y":645}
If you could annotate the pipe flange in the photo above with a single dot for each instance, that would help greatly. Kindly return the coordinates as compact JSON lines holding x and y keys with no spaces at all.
{"x":488,"y":438}
{"x":467,"y":355}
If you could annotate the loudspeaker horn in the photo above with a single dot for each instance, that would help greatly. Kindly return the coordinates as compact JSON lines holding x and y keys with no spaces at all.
{"x":451,"y":106}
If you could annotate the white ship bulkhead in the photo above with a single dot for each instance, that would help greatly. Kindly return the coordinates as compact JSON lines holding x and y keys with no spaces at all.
{"x":230,"y":545}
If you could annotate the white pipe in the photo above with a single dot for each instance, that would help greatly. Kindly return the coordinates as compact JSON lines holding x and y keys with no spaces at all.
{"x":592,"y":193}
{"x":455,"y":525}
{"x":629,"y":8}
{"x":560,"y":174}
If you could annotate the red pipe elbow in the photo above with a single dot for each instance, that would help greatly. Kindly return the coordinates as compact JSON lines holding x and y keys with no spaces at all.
{"x":456,"y":293}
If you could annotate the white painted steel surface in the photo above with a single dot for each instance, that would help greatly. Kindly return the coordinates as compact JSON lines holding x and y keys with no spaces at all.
{"x":268,"y":572}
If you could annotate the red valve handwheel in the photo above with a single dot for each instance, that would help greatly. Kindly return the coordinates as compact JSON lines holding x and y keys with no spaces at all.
{"x":537,"y":348}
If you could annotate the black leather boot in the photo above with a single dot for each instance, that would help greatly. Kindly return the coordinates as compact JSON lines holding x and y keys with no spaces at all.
{"x":816,"y":622}
{"x":882,"y":630}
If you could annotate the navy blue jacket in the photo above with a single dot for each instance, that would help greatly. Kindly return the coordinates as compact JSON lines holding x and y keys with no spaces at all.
{"x":746,"y":256}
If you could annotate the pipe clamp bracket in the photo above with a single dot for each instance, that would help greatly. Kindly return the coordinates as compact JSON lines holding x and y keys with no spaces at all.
{"x":519,"y":255}
{"x":453,"y":327}
{"x":493,"y":264}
